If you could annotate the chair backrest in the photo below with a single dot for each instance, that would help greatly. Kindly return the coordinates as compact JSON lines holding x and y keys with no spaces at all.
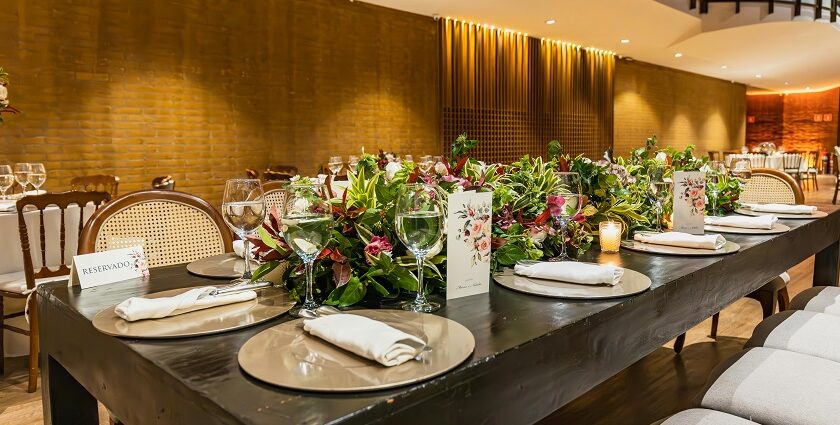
{"x":813,"y":159}
{"x":771,"y":186}
{"x":757,"y":160}
{"x":715,"y":155}
{"x":791,"y":161}
{"x":163,"y":183}
{"x":275,"y":195}
{"x":173,"y":227}
{"x":285,"y":169}
{"x":251,"y":173}
{"x":97,"y":183}
{"x":269,"y":176}
{"x":41,"y":203}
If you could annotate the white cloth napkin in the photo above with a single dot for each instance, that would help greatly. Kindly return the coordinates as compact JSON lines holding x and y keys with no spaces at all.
{"x":744,"y":222}
{"x":8,"y":206}
{"x":781,"y":208}
{"x":365,"y":337}
{"x":684,"y":240}
{"x":572,"y":272}
{"x":139,"y":308}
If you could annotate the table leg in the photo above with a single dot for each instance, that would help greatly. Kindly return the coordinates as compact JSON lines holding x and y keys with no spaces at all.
{"x":65,"y":400}
{"x":827,"y":266}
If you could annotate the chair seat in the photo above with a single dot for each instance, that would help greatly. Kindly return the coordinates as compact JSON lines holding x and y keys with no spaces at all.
{"x":16,"y":282}
{"x":775,"y":387}
{"x":822,"y":299}
{"x":805,"y":332}
{"x":704,"y":417}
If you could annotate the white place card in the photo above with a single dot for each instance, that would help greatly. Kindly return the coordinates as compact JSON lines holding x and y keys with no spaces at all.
{"x":468,"y":244}
{"x":101,"y":268}
{"x":689,"y":201}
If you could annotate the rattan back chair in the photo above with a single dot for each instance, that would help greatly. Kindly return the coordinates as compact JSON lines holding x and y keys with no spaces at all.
{"x":173,"y":227}
{"x":97,"y":183}
{"x":14,"y":288}
{"x":163,"y":183}
{"x":771,"y":186}
{"x":275,"y":195}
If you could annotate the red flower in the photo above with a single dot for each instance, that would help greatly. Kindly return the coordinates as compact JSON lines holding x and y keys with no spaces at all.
{"x":377,"y":245}
{"x":555,"y":204}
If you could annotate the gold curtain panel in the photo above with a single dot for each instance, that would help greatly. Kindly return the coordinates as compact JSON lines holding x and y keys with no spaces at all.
{"x":514,"y":93}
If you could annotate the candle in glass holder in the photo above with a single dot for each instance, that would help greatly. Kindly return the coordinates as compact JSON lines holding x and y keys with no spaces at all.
{"x":609,"y":233}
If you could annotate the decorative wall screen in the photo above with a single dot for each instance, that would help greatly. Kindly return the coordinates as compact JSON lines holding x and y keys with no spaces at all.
{"x":514,"y":93}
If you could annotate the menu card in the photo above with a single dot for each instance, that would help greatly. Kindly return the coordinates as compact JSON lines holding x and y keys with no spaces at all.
{"x":468,"y":244}
{"x":101,"y":268}
{"x":689,"y":201}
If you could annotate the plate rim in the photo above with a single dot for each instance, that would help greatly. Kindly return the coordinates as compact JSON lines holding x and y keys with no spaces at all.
{"x":813,"y":216}
{"x":213,"y":276}
{"x":707,"y":253}
{"x":783,"y":228}
{"x":607,"y":297}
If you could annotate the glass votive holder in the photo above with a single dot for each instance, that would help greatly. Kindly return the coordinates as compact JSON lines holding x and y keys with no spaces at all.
{"x":609,"y":235}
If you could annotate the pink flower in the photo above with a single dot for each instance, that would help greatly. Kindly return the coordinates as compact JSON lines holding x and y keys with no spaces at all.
{"x":470,"y":212}
{"x":377,"y":245}
{"x":483,"y":244}
{"x":475,"y":227}
{"x":699,"y":203}
{"x":555,"y":204}
{"x":694,"y":192}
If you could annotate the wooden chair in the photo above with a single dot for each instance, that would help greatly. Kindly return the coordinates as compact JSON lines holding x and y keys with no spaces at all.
{"x":173,"y":227}
{"x":251,"y":173}
{"x":271,"y":176}
{"x":791,"y":163}
{"x":275,"y":195}
{"x":284,"y":169}
{"x":766,"y":185}
{"x":809,"y":171}
{"x":97,"y":183}
{"x":163,"y":183}
{"x":715,"y":156}
{"x":836,"y":170}
{"x":21,"y":288}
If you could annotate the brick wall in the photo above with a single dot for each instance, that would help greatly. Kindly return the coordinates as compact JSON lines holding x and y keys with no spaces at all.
{"x":797,"y":121}
{"x":681,"y":108}
{"x":202,"y":89}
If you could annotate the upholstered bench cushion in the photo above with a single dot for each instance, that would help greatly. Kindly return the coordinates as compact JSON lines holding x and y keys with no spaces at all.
{"x":805,"y":332}
{"x":776,"y":387}
{"x":703,"y":417}
{"x":822,"y":299}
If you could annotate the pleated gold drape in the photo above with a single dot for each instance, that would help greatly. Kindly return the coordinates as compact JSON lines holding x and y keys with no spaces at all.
{"x":514,"y":93}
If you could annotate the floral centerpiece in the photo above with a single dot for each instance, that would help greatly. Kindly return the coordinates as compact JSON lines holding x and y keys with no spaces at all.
{"x":4,"y":95}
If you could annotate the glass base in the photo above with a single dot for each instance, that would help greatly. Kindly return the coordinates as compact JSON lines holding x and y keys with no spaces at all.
{"x":306,"y":310}
{"x":420,"y":307}
{"x":563,"y":257}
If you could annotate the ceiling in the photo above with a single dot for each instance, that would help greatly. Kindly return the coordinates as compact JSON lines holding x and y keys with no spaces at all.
{"x":789,"y":55}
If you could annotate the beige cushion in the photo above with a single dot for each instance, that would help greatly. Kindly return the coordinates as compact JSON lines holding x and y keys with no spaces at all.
{"x":776,"y":387}
{"x":822,"y":299}
{"x":805,"y":332}
{"x":16,"y":282}
{"x":704,"y":417}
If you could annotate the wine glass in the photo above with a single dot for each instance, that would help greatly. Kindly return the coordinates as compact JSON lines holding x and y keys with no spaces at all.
{"x":419,"y":225}
{"x":308,"y":228}
{"x":741,"y":170}
{"x":352,"y":162}
{"x":715,"y":175}
{"x":7,"y":179}
{"x":564,"y":202}
{"x":408,"y":158}
{"x":243,"y":208}
{"x":426,"y":164}
{"x":662,"y":191}
{"x":22,"y":174}
{"x":37,"y":176}
{"x":335,"y":164}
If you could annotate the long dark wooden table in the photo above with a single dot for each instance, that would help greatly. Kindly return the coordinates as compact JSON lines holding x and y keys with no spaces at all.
{"x":532,"y":354}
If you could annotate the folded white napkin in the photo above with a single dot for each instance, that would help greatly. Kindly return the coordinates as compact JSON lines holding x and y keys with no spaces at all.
{"x":365,"y":337}
{"x":572,"y":272}
{"x":139,"y":308}
{"x":684,"y":240}
{"x":8,"y":206}
{"x":781,"y":208}
{"x":239,"y":248}
{"x":744,"y":222}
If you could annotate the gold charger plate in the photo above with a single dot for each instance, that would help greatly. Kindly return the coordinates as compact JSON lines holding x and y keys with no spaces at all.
{"x":222,"y":266}
{"x":816,"y":214}
{"x":632,"y":282}
{"x":777,"y":228}
{"x":650,"y":248}
{"x":287,"y":356}
{"x":270,"y":303}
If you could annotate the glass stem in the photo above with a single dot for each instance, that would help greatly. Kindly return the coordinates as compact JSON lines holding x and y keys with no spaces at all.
{"x":563,"y":226}
{"x":421,"y":295}
{"x":714,"y":203}
{"x":309,"y":282}
{"x":658,"y":216}
{"x":247,"y":244}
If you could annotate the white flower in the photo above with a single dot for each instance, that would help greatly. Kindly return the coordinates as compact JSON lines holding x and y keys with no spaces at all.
{"x":537,"y":235}
{"x":662,"y":157}
{"x":295,"y":178}
{"x":392,"y":169}
{"x":441,"y":169}
{"x":4,"y":94}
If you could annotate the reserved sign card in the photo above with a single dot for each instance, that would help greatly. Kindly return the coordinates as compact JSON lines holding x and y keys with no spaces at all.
{"x":468,"y":244}
{"x":105,"y":267}
{"x":689,"y":201}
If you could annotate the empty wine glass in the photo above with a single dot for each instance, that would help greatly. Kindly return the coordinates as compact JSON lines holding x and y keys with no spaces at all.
{"x":243,"y":208}
{"x":426,"y":163}
{"x":741,"y":170}
{"x":352,"y":162}
{"x":308,"y":228}
{"x":37,"y":176}
{"x":408,"y":158}
{"x":336,"y":164}
{"x":7,"y":179}
{"x":22,"y":174}
{"x":662,"y":191}
{"x":715,"y":176}
{"x":419,"y":225}
{"x":564,"y":202}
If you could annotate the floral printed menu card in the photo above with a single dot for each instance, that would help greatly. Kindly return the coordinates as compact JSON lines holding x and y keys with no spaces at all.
{"x":689,"y":201}
{"x":468,"y":244}
{"x":105,"y":267}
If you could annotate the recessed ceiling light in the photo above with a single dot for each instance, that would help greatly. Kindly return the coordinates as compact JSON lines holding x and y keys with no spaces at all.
{"x":786,"y":83}
{"x":625,"y":41}
{"x":757,"y":75}
{"x":678,"y":55}
{"x":550,"y":22}
{"x":723,"y":67}
{"x":808,"y":88}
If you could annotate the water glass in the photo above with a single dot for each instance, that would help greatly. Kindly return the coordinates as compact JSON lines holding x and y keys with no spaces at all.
{"x":7,"y":179}
{"x":37,"y":176}
{"x":419,"y":225}
{"x":662,"y":191}
{"x":741,"y":170}
{"x":308,"y":229}
{"x":715,"y":176}
{"x":426,"y":164}
{"x":564,"y":203}
{"x":352,"y":162}
{"x":336,"y":164}
{"x":22,"y":174}
{"x":243,"y":208}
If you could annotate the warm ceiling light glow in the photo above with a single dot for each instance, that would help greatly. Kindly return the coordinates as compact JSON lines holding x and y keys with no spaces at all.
{"x":786,"y":83}
{"x":678,"y":55}
{"x":808,"y":88}
{"x":723,"y":67}
{"x":625,"y":41}
{"x":550,"y":22}
{"x":757,"y":75}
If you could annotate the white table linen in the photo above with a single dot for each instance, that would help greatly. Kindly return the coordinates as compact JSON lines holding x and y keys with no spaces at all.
{"x":140,"y":308}
{"x":572,"y":272}
{"x":684,"y":240}
{"x":781,"y":208}
{"x":743,"y":222}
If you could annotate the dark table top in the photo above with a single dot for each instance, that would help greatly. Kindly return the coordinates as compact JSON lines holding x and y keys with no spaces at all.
{"x":532,"y":354}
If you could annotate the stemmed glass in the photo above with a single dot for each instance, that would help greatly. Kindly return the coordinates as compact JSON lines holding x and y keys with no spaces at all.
{"x":243,"y":208}
{"x":352,"y":162}
{"x":335,"y":164}
{"x":7,"y":179}
{"x":715,"y":173}
{"x":408,"y":158}
{"x":564,"y":202}
{"x":741,"y":170}
{"x":662,"y":191}
{"x":308,"y":227}
{"x":37,"y":176}
{"x":426,"y":164}
{"x":22,"y":174}
{"x":419,"y":225}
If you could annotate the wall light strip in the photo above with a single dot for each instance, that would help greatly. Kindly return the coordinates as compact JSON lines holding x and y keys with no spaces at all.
{"x":488,"y":27}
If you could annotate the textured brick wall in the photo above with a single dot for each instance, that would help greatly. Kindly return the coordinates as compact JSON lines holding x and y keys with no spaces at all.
{"x":795,"y":121}
{"x":679,"y":107}
{"x":202,"y":89}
